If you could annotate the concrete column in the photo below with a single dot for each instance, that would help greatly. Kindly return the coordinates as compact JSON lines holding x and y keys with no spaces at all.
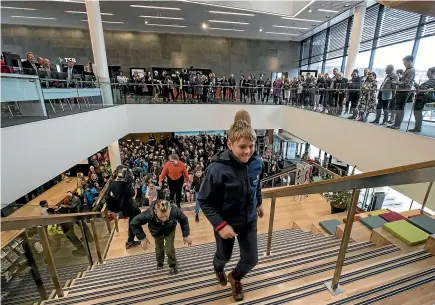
{"x":355,"y":38}
{"x":99,"y":49}
{"x":114,"y":155}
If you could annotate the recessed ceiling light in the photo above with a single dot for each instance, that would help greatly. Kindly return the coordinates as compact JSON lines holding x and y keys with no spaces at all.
{"x":304,"y":8}
{"x":300,"y":19}
{"x":289,"y":27}
{"x":280,"y":33}
{"x":167,"y":25}
{"x":77,"y":12}
{"x":328,"y":16}
{"x":261,"y":30}
{"x":103,"y":21}
{"x":231,"y":22}
{"x":146,"y":22}
{"x":204,"y":25}
{"x":313,"y":24}
{"x":19,"y":8}
{"x":161,"y":17}
{"x":157,"y":7}
{"x":230,"y":13}
{"x":309,"y":11}
{"x":223,"y":29}
{"x":347,"y":5}
{"x":327,"y":11}
{"x":29,"y":17}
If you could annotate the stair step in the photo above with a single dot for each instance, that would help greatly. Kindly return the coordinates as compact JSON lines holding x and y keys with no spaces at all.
{"x":144,"y":289}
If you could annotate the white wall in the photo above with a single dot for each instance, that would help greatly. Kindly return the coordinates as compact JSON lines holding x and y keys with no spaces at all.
{"x":36,"y":152}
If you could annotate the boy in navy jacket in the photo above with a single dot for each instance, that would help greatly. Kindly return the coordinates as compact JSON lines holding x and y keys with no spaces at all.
{"x":230,"y":197}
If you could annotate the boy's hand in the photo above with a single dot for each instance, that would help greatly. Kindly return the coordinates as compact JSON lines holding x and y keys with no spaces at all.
{"x":260,"y":211}
{"x":187,"y":240}
{"x":144,"y":244}
{"x":227,"y":232}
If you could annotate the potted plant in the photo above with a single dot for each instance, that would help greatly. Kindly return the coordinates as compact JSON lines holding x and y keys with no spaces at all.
{"x":339,"y":201}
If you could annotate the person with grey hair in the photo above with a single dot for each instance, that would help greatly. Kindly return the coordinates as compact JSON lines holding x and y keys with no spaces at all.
{"x":385,"y":94}
{"x":175,"y":171}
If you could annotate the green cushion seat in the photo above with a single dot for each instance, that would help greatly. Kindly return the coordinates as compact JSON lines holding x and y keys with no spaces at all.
{"x":330,"y":226}
{"x":406,"y":232}
{"x":373,"y":222}
{"x":424,"y":223}
{"x":378,"y":212}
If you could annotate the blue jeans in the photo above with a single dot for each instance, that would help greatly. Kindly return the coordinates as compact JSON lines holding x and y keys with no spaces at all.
{"x":196,"y":203}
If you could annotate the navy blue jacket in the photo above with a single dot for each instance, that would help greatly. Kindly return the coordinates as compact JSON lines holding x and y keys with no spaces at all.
{"x":231,"y":190}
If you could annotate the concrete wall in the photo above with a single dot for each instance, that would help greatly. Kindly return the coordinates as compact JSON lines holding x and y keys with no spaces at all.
{"x":145,"y":50}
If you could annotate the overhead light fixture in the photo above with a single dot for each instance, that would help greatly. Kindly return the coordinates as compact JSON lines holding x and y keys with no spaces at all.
{"x":29,"y":17}
{"x":309,"y":11}
{"x":157,"y":7}
{"x":289,"y":27}
{"x":19,"y":8}
{"x":347,"y":5}
{"x":70,"y":1}
{"x":261,"y":30}
{"x":204,"y":25}
{"x":231,"y":22}
{"x":304,"y":8}
{"x":328,"y":16}
{"x":161,"y":17}
{"x":77,"y":12}
{"x":166,"y":25}
{"x":223,"y":29}
{"x":327,"y":11}
{"x":280,"y":33}
{"x":103,"y":21}
{"x":300,"y":19}
{"x":230,"y":13}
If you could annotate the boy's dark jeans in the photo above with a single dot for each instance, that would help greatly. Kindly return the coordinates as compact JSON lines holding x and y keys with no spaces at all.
{"x":247,"y":238}
{"x":166,"y":244}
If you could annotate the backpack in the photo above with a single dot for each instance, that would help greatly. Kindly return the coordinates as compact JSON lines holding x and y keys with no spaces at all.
{"x":114,"y":200}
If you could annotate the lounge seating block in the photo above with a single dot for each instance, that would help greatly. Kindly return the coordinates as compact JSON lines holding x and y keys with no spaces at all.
{"x":424,"y":223}
{"x":330,"y":226}
{"x":406,"y":231}
{"x":378,"y":212}
{"x":373,"y":222}
{"x":392,"y":216}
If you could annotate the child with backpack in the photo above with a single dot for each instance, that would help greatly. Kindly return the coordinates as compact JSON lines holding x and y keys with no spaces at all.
{"x":162,"y":219}
{"x":196,"y":184}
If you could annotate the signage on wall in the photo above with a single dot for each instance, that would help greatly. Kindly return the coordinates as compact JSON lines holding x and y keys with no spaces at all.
{"x":70,"y":59}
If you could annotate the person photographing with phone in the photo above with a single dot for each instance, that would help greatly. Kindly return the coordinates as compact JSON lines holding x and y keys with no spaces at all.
{"x":230,"y":197}
{"x":162,"y":219}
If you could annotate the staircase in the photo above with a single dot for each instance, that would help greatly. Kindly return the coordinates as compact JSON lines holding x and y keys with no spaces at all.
{"x":295,"y":273}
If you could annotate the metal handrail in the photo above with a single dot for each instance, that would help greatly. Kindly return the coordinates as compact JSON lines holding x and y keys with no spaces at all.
{"x":407,"y":174}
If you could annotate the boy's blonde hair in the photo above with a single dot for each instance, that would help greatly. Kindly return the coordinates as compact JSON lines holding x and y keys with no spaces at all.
{"x":241,"y":129}
{"x":162,"y":206}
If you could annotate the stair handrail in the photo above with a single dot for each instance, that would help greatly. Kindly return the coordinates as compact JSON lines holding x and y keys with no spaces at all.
{"x":289,"y":169}
{"x":405,"y":174}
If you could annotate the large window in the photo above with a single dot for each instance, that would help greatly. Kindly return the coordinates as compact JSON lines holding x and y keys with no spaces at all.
{"x":362,"y":61}
{"x":390,"y":55}
{"x":316,"y":66}
{"x":425,"y":58}
{"x":333,"y":63}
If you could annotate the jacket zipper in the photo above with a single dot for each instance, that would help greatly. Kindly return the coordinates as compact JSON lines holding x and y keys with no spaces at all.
{"x":247,"y":199}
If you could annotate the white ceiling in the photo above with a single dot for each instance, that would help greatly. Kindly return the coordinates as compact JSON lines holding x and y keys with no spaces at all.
{"x":267,"y":15}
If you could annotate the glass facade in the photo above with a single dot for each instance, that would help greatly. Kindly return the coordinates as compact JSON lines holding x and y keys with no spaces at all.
{"x":388,"y":35}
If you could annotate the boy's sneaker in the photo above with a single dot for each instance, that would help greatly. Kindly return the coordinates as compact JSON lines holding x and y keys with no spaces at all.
{"x":159,"y":266}
{"x":131,"y":244}
{"x":221,"y":277}
{"x":173,"y":269}
{"x":236,"y":287}
{"x":196,"y":217}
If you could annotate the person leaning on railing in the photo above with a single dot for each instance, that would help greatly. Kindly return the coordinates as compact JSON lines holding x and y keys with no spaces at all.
{"x":423,"y":98}
{"x":385,"y":94}
{"x":354,"y":93}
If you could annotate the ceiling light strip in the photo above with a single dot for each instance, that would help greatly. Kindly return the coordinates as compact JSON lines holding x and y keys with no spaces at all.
{"x":231,"y":13}
{"x":19,"y":8}
{"x":161,"y":17}
{"x":289,"y":27}
{"x":300,"y":19}
{"x":103,"y":21}
{"x":31,"y":17}
{"x":167,"y":25}
{"x":231,"y":22}
{"x":327,"y":11}
{"x":280,"y":33}
{"x":157,"y":7}
{"x":77,"y":12}
{"x":304,"y":8}
{"x":223,"y":29}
